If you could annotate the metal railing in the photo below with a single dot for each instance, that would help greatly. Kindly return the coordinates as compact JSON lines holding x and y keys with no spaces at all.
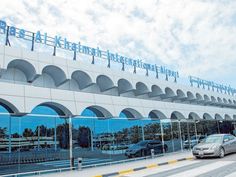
{"x":59,"y":170}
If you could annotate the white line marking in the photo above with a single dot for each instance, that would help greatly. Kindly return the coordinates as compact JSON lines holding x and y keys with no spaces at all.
{"x":203,"y":169}
{"x":152,"y":171}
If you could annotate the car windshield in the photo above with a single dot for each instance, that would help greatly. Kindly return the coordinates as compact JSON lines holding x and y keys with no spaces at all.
{"x":142,"y":143}
{"x":213,"y":139}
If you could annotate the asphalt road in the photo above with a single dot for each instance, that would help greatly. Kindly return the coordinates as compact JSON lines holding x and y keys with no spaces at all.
{"x":208,"y":167}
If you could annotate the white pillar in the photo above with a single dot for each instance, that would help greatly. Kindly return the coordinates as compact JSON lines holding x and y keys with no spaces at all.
{"x":143,"y":138}
{"x":9,"y":135}
{"x":70,"y":143}
{"x":55,"y":134}
{"x":180,"y":134}
{"x":91,"y":137}
{"x":162,"y":138}
{"x":171,"y":128}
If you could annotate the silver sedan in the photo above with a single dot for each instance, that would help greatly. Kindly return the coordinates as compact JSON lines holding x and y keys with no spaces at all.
{"x":216,"y":145}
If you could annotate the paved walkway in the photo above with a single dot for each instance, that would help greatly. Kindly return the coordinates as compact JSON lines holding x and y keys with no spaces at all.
{"x":99,"y":171}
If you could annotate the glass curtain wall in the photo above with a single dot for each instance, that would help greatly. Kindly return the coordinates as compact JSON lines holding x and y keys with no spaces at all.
{"x":41,"y":140}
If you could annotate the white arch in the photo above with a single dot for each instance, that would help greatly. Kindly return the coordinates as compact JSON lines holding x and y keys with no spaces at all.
{"x":124,"y":86}
{"x":225,"y":101}
{"x":57,"y":74}
{"x":177,"y":115}
{"x":227,"y":117}
{"x":131,"y":113}
{"x":180,"y":93}
{"x":207,"y":116}
{"x":27,"y":68}
{"x":82,"y":78}
{"x":190,"y":95}
{"x":169,"y":92}
{"x":155,"y":114}
{"x":193,"y":116}
{"x":104,"y":82}
{"x":8,"y":106}
{"x":218,"y":117}
{"x":57,"y":107}
{"x":219,"y":100}
{"x":156,"y":91}
{"x":206,"y":98}
{"x":141,"y":89}
{"x":213,"y":99}
{"x":99,"y":111}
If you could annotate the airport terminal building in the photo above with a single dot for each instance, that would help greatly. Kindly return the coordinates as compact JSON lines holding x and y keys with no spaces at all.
{"x":55,"y":109}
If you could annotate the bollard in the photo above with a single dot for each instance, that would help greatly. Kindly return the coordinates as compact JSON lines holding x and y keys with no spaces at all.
{"x":152,"y":153}
{"x":79,"y":164}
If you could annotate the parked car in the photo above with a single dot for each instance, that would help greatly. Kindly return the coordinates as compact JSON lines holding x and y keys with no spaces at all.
{"x":194,"y":140}
{"x":216,"y":145}
{"x":143,"y":148}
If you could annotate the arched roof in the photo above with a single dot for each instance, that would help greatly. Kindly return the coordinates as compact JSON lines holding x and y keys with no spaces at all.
{"x":100,"y":112}
{"x":180,"y":93}
{"x":26,"y":67}
{"x":58,"y":108}
{"x":141,"y":88}
{"x":155,"y":114}
{"x":156,"y":90}
{"x":227,"y":117}
{"x":193,"y":116}
{"x":131,"y":113}
{"x":124,"y":86}
{"x":57,"y":74}
{"x":218,"y":117}
{"x":177,"y":115}
{"x":169,"y":92}
{"x":82,"y":78}
{"x":8,"y":106}
{"x":104,"y":82}
{"x":207,"y":116}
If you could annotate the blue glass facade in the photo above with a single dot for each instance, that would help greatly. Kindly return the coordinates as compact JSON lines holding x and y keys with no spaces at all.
{"x":41,"y":140}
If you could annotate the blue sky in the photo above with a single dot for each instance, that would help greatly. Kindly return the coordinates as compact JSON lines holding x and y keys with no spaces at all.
{"x":195,"y":37}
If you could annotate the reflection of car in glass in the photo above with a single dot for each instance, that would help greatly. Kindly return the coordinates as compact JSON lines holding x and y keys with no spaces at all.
{"x":110,"y":146}
{"x":194,"y":140}
{"x":215,"y":145}
{"x":143,"y":148}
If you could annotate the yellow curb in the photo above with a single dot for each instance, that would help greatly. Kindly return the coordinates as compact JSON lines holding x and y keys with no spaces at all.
{"x":126,"y":171}
{"x":172,"y":161}
{"x":152,"y":166}
{"x":190,"y":158}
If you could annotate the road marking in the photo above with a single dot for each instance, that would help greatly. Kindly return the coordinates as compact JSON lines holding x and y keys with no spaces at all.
{"x":125,"y":171}
{"x":163,"y":168}
{"x":152,"y":166}
{"x":202,"y":169}
{"x":231,"y":175}
{"x":172,"y":161}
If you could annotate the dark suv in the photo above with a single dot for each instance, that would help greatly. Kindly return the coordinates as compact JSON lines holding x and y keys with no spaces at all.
{"x":143,"y":148}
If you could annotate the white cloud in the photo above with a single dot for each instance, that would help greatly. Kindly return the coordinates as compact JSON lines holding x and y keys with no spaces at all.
{"x":196,"y":37}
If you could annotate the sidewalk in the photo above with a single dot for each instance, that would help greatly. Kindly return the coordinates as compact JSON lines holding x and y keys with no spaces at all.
{"x":126,"y":167}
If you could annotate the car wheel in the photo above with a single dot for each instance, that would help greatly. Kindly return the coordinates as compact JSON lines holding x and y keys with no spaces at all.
{"x":221,"y":153}
{"x":197,"y":157}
